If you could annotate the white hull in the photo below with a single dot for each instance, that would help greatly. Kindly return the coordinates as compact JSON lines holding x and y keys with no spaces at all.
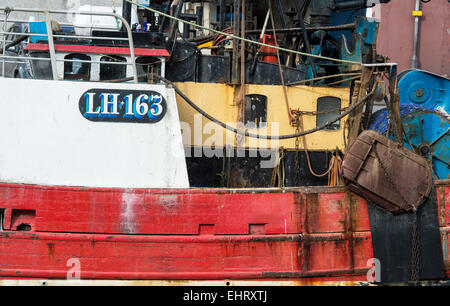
{"x":46,"y":140}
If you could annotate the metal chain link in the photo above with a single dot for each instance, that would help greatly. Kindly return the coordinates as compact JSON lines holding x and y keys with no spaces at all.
{"x":415,"y":251}
{"x":415,"y":243}
{"x":331,"y":111}
{"x":388,"y":178}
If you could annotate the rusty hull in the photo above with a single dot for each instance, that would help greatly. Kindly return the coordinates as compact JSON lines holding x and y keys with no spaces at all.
{"x":301,"y":235}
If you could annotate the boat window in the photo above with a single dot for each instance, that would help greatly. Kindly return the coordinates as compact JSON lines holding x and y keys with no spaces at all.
{"x":77,"y":70}
{"x":11,"y":37}
{"x":146,"y":65}
{"x":328,"y":108}
{"x":16,"y":28}
{"x":42,"y":69}
{"x":255,"y":111}
{"x":112,"y":71}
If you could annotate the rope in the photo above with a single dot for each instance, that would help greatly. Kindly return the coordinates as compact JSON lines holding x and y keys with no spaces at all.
{"x":326,"y":77}
{"x":268,"y":137}
{"x":335,"y":177}
{"x":242,"y":38}
{"x":343,"y":81}
{"x":299,"y":123}
{"x":241,"y":99}
{"x":286,"y":100}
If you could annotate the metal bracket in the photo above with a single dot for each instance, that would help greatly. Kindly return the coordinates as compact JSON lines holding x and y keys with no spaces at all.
{"x":293,"y":117}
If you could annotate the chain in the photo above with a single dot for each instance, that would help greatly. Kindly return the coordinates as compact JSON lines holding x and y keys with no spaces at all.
{"x":297,"y":145}
{"x":415,"y":251}
{"x":331,"y":111}
{"x":388,"y":178}
{"x":415,"y":243}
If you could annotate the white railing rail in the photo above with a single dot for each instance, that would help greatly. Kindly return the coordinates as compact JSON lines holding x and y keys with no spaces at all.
{"x":50,"y":36}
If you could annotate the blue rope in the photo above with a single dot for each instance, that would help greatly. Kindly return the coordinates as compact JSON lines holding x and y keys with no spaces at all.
{"x":380,"y":120}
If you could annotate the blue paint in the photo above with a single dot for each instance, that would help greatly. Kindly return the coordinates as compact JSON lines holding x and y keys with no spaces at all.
{"x":107,"y":108}
{"x":135,"y":107}
{"x":365,"y":36}
{"x":345,"y":17}
{"x":88,"y":104}
{"x":118,"y":106}
{"x":368,"y":29}
{"x":40,"y":27}
{"x":102,"y":101}
{"x":423,"y":126}
{"x":426,"y":89}
{"x":127,"y":102}
{"x":155,"y":106}
{"x":366,"y":33}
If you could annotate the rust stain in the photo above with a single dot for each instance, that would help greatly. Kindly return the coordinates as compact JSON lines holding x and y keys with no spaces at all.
{"x":311,"y":212}
{"x":349,"y":229}
{"x":305,"y":245}
{"x":442,"y":213}
{"x":334,"y":273}
{"x":51,"y":250}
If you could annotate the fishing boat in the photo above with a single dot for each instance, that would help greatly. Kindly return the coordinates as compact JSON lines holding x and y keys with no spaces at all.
{"x":203,"y":143}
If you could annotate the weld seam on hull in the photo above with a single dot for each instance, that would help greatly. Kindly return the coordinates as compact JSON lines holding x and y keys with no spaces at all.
{"x":86,"y":275}
{"x":150,"y":238}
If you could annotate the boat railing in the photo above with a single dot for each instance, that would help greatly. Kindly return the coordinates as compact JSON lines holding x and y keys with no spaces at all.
{"x":6,"y":12}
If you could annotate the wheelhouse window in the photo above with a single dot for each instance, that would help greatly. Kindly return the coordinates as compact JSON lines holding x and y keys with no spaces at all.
{"x":76,"y":67}
{"x":110,"y":69}
{"x":16,"y":28}
{"x":328,"y":108}
{"x":41,"y":67}
{"x":146,"y":65}
{"x":12,"y":36}
{"x":255,"y":111}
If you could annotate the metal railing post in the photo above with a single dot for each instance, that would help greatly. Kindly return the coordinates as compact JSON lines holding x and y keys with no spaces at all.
{"x":51,"y":45}
{"x":131,"y":45}
{"x":4,"y":45}
{"x":51,"y":37}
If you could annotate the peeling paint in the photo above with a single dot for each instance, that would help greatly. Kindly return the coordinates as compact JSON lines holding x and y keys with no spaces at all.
{"x":127,"y":224}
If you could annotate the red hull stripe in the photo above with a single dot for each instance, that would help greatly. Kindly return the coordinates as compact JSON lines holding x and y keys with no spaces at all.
{"x":45,"y":255}
{"x":210,"y":234}
{"x":99,"y":50}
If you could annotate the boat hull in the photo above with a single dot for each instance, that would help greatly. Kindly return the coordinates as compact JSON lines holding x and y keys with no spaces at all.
{"x":307,"y":235}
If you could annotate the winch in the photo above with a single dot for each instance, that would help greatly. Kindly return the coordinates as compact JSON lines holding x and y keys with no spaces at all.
{"x":424,"y":104}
